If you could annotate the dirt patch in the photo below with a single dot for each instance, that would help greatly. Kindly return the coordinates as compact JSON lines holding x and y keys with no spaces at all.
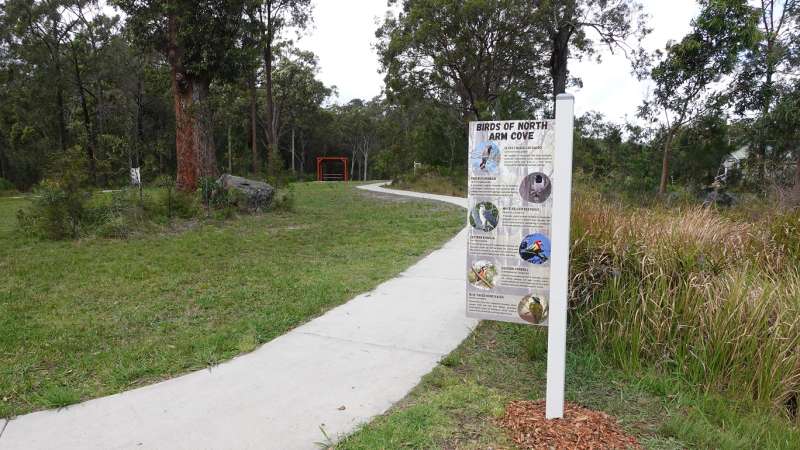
{"x":580,"y":428}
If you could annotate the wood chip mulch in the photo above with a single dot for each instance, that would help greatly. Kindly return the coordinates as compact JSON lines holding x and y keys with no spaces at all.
{"x":580,"y":428}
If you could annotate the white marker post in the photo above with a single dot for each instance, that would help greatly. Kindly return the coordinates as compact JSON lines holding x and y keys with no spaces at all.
{"x":559,"y":269}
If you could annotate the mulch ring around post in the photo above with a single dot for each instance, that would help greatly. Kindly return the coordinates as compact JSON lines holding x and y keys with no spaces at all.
{"x":580,"y":428}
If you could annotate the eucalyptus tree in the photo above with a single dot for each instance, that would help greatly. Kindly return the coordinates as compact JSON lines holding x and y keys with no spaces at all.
{"x":575,"y":28}
{"x":39,"y":32}
{"x":773,"y":59}
{"x":298,"y":95}
{"x":202,"y":41}
{"x":358,"y":123}
{"x":783,"y":122}
{"x":687,"y":78}
{"x":250,"y":75}
{"x":93,"y":48}
{"x":272,"y":18}
{"x":466,"y":54}
{"x":5,"y":60}
{"x":768,"y":68}
{"x":230,"y":105}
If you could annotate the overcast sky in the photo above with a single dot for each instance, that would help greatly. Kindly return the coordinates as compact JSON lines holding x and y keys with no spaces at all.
{"x":344,"y":34}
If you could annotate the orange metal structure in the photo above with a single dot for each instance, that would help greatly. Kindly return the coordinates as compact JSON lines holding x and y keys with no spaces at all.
{"x":327,"y":176}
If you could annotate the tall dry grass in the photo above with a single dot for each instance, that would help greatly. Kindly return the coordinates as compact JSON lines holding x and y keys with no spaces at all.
{"x":713,"y":299}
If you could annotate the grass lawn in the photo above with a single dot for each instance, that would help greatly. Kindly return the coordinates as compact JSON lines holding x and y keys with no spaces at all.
{"x":87,"y":318}
{"x":456,"y":406}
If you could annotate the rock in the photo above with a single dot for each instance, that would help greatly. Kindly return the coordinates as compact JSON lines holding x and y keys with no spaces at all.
{"x":247,"y":195}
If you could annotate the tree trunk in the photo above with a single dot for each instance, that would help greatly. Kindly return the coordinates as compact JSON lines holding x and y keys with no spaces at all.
{"x":353,"y":164}
{"x":271,"y":131}
{"x":559,"y":57}
{"x":662,"y":187}
{"x":766,"y":106}
{"x":91,"y":143}
{"x":62,"y":122}
{"x":2,"y":159}
{"x":230,"y":162}
{"x":185,"y":150}
{"x":204,"y":129}
{"x":452,"y":151}
{"x":140,"y":121}
{"x":194,"y":140}
{"x":182,"y":86}
{"x":292,"y":150}
{"x":256,"y":165}
{"x":302,"y":152}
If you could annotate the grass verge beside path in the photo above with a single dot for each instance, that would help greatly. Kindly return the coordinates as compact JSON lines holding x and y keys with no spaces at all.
{"x":457,"y":405}
{"x":93,"y":317}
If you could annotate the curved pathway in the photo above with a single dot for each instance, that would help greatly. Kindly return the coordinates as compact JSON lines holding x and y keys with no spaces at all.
{"x":308,"y":387}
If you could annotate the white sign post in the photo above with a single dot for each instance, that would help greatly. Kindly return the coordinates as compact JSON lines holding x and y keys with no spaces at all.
{"x":520,"y":180}
{"x":559,"y":271}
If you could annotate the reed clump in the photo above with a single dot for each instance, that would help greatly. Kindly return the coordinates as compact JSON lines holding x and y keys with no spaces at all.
{"x":693,"y":291}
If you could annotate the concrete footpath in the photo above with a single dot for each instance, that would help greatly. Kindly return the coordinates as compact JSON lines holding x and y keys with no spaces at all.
{"x":304,"y":389}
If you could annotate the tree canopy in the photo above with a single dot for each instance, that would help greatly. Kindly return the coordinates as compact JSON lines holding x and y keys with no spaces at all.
{"x":180,"y":88}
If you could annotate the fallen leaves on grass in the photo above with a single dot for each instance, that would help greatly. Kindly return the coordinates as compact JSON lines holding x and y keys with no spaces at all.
{"x":580,"y":428}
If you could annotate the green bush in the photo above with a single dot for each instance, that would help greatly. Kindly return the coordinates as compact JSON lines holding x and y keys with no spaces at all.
{"x":56,"y":213}
{"x":277,"y":175}
{"x":64,"y":210}
{"x":173,"y":203}
{"x":130,"y":210}
{"x":186,"y":205}
{"x":283,"y":199}
{"x":60,"y":207}
{"x":6,"y":185}
{"x":212,"y":194}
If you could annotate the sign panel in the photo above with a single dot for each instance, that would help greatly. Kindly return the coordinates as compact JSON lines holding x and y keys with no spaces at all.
{"x":510,"y":208}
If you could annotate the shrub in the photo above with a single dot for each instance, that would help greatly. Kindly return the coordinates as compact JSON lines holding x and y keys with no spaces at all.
{"x":185,"y":205}
{"x":174,"y":204}
{"x":130,"y":210}
{"x":63,"y":210}
{"x":212,"y":194}
{"x":6,"y":185}
{"x":55,"y":213}
{"x":283,"y":199}
{"x":277,"y":175}
{"x":59,"y":210}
